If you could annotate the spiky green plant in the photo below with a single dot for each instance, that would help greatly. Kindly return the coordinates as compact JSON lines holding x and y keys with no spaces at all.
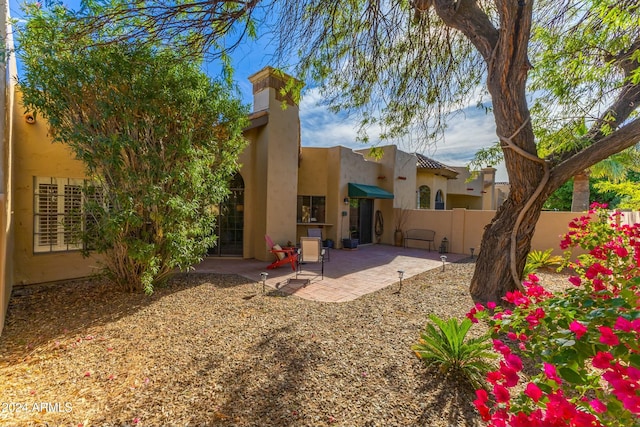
{"x":444,"y":344}
{"x":541,"y":259}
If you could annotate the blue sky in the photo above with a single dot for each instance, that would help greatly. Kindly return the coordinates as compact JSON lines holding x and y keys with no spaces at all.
{"x":467,"y":131}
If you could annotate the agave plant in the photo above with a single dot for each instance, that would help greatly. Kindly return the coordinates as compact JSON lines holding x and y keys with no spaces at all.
{"x":445,"y":345}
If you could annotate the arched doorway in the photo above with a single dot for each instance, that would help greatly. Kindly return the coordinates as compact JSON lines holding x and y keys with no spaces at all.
{"x":230,"y":223}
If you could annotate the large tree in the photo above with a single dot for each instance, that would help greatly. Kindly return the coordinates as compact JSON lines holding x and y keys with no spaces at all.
{"x":159,"y":140}
{"x":405,"y":65}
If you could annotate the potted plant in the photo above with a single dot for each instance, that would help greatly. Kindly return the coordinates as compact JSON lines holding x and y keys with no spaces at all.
{"x":353,"y":241}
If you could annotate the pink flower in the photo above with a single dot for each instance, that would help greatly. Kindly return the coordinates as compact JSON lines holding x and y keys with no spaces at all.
{"x":471,"y":315}
{"x":575,"y":280}
{"x":513,"y":361}
{"x":602,"y":360}
{"x":482,"y":395}
{"x":550,"y":372}
{"x":533,"y":391}
{"x":621,"y":251}
{"x":481,"y":404}
{"x":595,"y":269}
{"x":501,"y":347}
{"x":623,"y":324}
{"x":491,"y":305}
{"x":578,"y":328}
{"x":516,"y":298}
{"x":598,"y":285}
{"x":534,"y":318}
{"x":494,"y":376}
{"x":509,"y":374}
{"x":484,"y":411}
{"x":501,"y":393}
{"x":607,"y":336}
{"x":634,"y":373}
{"x":597,"y":406}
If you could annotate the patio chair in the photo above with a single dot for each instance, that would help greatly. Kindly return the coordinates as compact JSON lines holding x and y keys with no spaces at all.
{"x":317,"y":232}
{"x":283,"y":255}
{"x":311,"y":251}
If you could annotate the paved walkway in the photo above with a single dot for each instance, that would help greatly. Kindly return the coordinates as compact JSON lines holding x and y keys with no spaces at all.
{"x":348,"y":275}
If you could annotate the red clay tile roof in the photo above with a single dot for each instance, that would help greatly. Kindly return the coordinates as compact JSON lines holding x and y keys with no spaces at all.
{"x":425,"y":162}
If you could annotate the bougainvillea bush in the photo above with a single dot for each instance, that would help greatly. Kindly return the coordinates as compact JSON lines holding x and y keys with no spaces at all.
{"x":581,"y":346}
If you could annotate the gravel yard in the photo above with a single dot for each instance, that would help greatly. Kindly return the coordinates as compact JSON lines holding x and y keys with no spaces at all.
{"x":213,"y":350}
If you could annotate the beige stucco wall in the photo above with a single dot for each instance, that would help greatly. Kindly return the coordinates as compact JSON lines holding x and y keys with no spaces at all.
{"x":404,"y":181}
{"x":316,"y":177}
{"x":7,"y":70}
{"x":435,"y":183}
{"x":464,"y":228}
{"x":274,"y":157}
{"x":37,"y":156}
{"x":457,"y":201}
{"x":253,"y":173}
{"x":355,"y":168}
{"x":477,"y":193}
{"x":254,"y":207}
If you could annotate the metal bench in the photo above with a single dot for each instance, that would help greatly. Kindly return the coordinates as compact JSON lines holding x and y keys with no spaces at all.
{"x":422,"y":235}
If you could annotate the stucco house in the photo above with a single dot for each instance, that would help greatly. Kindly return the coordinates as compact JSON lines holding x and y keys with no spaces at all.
{"x":282,"y":189}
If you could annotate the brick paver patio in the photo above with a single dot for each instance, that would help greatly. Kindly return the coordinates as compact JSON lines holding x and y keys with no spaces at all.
{"x":348,"y":275}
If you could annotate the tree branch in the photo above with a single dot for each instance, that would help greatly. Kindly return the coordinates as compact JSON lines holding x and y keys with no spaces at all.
{"x":513,"y":43}
{"x":613,"y":143}
{"x":626,"y":103}
{"x":628,"y":98}
{"x":466,"y":17}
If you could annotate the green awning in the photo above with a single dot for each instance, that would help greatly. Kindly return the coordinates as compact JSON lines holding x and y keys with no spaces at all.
{"x":368,"y":192}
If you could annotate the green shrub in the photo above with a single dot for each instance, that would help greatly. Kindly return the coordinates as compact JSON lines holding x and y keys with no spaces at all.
{"x":445,"y":345}
{"x":159,"y":140}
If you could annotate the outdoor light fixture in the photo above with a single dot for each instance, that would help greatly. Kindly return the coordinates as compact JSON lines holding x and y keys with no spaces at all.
{"x":444,"y":259}
{"x":400,"y":274}
{"x":346,"y":200}
{"x":472,"y":249}
{"x":263,"y":277}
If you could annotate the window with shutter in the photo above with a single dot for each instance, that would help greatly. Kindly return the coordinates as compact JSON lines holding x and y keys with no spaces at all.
{"x":59,"y":217}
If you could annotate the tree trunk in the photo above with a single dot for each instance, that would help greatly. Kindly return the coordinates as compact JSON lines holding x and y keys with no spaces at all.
{"x":493,"y":277}
{"x":581,"y":192}
{"x":507,"y":240}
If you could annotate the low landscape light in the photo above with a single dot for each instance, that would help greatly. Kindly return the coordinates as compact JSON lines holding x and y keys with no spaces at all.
{"x":263,"y":277}
{"x":400,"y":275}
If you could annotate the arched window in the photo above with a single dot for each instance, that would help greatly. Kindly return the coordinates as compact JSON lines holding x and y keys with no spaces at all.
{"x":439,"y":200}
{"x":424,"y":197}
